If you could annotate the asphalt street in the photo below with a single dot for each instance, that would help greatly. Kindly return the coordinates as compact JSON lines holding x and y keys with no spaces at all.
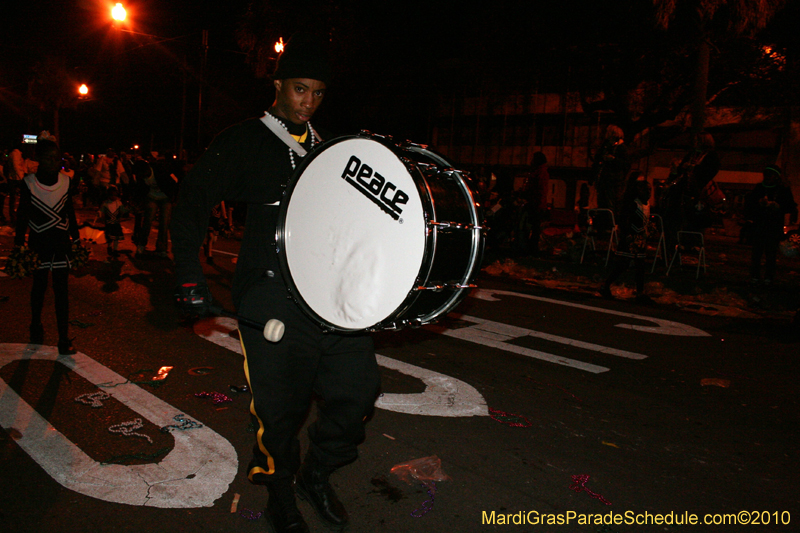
{"x":549,"y":410}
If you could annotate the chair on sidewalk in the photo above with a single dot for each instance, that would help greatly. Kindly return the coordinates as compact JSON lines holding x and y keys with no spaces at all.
{"x":603,"y":218}
{"x":661,"y":247}
{"x":687,"y":242}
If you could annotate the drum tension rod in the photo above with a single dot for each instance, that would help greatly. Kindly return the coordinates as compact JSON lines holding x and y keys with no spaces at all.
{"x":455,"y":225}
{"x":449,"y":286}
{"x":434,"y":288}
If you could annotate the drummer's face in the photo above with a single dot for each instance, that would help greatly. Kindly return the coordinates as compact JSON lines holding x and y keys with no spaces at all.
{"x":297,"y":99}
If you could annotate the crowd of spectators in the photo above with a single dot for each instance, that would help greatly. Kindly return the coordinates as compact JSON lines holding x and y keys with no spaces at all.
{"x":516,"y":204}
{"x":145,"y":184}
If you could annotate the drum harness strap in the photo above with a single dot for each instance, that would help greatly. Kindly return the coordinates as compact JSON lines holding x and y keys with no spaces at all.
{"x":283,"y":134}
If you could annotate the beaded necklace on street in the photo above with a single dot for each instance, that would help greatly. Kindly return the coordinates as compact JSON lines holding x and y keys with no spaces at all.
{"x":309,"y":130}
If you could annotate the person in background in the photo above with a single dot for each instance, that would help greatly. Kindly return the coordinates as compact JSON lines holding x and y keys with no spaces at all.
{"x":611,"y":166}
{"x":139,"y":190}
{"x":684,"y":201}
{"x":766,"y":207}
{"x":216,"y":223}
{"x":163,"y":185}
{"x":111,"y":213}
{"x":17,"y":169}
{"x":535,"y":193}
{"x":124,"y":173}
{"x":102,"y":177}
{"x":47,"y":218}
{"x":633,"y":223}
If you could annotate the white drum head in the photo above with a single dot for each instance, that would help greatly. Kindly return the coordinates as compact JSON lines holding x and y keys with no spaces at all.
{"x":354,"y":234}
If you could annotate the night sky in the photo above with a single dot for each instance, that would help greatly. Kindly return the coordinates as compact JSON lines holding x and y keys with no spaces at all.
{"x":394,"y":59}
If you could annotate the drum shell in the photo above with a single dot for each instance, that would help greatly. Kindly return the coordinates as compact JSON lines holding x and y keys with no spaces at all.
{"x":455,"y":240}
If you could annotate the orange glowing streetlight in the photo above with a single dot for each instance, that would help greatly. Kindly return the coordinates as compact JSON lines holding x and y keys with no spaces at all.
{"x":279,"y":45}
{"x":118,"y":12}
{"x":83,"y":90}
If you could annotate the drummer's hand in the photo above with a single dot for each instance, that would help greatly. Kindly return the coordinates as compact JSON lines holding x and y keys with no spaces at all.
{"x":194,"y":299}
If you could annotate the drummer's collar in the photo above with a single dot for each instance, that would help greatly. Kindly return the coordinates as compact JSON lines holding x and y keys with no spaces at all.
{"x":298,"y":131}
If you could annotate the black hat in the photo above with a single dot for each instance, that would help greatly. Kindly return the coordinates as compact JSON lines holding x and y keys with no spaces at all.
{"x":305,"y":56}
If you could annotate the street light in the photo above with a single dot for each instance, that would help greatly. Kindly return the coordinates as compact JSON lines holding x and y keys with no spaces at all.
{"x":118,"y":12}
{"x":83,"y":90}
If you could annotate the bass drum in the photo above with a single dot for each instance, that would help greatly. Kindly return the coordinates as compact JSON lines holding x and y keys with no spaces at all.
{"x":374,"y":236}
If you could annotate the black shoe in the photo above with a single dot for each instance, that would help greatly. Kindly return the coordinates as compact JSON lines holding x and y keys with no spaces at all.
{"x":282,"y":513}
{"x":37,"y":333}
{"x":65,"y":348}
{"x":313,"y":487}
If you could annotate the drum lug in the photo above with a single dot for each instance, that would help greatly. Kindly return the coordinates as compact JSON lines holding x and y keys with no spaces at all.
{"x":434,"y":288}
{"x":391,"y":326}
{"x":386,"y":138}
{"x":409,"y":144}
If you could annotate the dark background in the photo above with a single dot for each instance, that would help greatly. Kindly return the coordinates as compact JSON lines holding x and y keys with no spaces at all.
{"x":394,"y":61}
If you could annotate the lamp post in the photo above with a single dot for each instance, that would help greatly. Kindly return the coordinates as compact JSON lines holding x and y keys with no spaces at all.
{"x":200,"y":93}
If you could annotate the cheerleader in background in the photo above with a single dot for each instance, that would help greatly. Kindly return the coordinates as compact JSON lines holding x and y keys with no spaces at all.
{"x":45,"y":208}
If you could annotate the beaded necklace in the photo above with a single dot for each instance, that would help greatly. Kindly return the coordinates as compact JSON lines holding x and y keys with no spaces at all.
{"x":309,"y":129}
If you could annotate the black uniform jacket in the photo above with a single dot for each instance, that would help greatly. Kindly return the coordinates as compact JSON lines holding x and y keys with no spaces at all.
{"x":245,"y":163}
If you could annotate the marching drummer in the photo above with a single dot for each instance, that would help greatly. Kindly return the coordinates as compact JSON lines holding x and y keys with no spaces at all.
{"x":252,"y":162}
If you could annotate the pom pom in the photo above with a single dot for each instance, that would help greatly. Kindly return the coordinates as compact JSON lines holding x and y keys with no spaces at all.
{"x":791,"y":246}
{"x":21,"y":262}
{"x":79,"y":255}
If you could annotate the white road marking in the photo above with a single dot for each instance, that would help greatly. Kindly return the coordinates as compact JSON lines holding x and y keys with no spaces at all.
{"x":664,"y":327}
{"x":446,"y":396}
{"x":443,"y":395}
{"x":492,"y":339}
{"x":197,"y":471}
{"x":507,"y":332}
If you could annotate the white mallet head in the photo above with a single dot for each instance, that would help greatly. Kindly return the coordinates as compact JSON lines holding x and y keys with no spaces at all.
{"x":273,"y":330}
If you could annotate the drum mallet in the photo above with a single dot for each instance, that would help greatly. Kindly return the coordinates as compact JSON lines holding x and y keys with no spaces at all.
{"x":273,"y":329}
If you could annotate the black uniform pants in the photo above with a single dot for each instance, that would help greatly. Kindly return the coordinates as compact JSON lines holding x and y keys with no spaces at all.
{"x":340,"y":370}
{"x":765,"y":245}
{"x":620,"y":265}
{"x":61,"y":296}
